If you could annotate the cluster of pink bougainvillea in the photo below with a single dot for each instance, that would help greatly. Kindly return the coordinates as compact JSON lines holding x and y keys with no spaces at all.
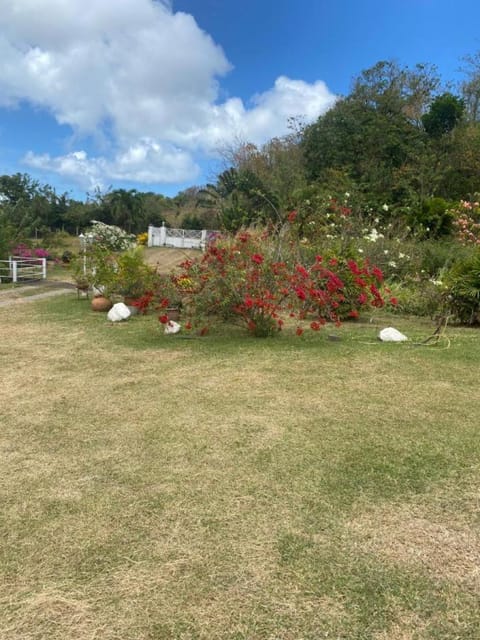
{"x":23,"y":251}
{"x":467,"y":222}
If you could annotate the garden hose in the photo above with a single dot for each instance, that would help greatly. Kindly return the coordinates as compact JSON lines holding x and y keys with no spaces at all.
{"x":437,"y":336}
{"x":433,"y":340}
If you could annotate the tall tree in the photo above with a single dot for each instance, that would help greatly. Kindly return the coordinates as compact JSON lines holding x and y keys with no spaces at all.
{"x":445,"y":113}
{"x":374,"y":135}
{"x":126,"y":209}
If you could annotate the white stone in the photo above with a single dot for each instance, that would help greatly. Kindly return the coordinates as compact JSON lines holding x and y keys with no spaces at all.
{"x":391,"y":335}
{"x":172,"y":327}
{"x":119,"y":312}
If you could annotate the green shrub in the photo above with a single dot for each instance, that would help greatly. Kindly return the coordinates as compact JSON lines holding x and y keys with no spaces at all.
{"x":437,"y":255}
{"x":463,"y":281}
{"x":421,"y":297}
{"x":433,"y":219}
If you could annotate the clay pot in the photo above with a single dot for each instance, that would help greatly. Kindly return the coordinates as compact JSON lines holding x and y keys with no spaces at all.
{"x":101,"y":303}
{"x":173,"y":313}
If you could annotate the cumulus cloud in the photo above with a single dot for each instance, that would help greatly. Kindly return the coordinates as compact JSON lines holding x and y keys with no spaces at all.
{"x":144,"y":161}
{"x":145,"y":74}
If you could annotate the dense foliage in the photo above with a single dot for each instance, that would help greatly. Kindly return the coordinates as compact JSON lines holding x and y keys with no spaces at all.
{"x":391,"y":173}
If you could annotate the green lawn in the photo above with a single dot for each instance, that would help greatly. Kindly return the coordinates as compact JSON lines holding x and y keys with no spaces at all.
{"x":224,"y":487}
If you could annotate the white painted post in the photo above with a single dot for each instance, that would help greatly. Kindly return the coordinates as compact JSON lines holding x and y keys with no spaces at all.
{"x":150,"y":236}
{"x":203,"y":240}
{"x":163,"y":235}
{"x":83,"y":247}
{"x":44,"y":268}
{"x":14,"y":271}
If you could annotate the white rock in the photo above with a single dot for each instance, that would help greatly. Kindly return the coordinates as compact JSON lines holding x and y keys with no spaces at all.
{"x":118,"y":312}
{"x":172,"y":327}
{"x":391,"y":335}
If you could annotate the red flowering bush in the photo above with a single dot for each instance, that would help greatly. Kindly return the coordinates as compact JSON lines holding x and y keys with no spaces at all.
{"x":249,"y":278}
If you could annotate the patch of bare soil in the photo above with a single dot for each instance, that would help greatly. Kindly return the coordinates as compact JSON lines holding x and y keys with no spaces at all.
{"x":406,"y":535}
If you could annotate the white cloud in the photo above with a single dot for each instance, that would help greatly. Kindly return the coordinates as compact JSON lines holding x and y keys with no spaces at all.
{"x":144,"y":161}
{"x":143,"y":73}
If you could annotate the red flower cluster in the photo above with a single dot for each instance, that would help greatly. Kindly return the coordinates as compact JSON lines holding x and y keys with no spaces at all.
{"x":143,"y":302}
{"x":241,"y":279}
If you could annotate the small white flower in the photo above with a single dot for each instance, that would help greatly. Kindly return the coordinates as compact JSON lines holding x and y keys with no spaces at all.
{"x":373,"y":235}
{"x":347,"y":194}
{"x":393,"y":264}
{"x":386,"y":252}
{"x":360,"y":251}
{"x":385,"y":207}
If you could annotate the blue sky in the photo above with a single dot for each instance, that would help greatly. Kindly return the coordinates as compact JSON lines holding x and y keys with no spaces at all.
{"x":145,"y":94}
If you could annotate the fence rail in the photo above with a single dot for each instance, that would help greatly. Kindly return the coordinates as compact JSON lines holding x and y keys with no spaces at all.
{"x":18,"y":269}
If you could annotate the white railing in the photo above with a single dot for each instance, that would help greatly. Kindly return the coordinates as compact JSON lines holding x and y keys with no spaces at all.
{"x":17,"y":268}
{"x":179,"y":238}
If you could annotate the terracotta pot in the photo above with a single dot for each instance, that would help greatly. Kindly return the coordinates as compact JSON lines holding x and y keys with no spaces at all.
{"x":173,"y":313}
{"x":100,"y":303}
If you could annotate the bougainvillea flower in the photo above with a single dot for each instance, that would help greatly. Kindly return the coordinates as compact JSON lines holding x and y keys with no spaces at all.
{"x":316,"y":326}
{"x":299,"y":331}
{"x":257,"y":258}
{"x":353,"y":266}
{"x":291,"y":216}
{"x":301,"y":293}
{"x":301,"y":270}
{"x":163,"y":319}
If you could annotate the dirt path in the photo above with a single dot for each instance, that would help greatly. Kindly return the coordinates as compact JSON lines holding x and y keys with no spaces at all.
{"x":21,"y":295}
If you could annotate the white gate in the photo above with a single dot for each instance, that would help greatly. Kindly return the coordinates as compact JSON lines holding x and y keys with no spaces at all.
{"x":179,"y":238}
{"x":16,"y":268}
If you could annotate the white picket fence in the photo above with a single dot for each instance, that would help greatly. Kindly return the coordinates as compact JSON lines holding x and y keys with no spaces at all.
{"x":17,"y":269}
{"x":179,"y":238}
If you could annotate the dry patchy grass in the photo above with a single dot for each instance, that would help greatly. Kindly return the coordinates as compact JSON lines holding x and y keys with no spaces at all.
{"x":232,"y":489}
{"x":167,"y":258}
